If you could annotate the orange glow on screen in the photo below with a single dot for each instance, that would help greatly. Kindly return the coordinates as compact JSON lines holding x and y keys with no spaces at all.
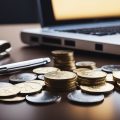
{"x":81,"y":9}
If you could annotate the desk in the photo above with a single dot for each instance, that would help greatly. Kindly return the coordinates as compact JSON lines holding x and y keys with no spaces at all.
{"x":108,"y":110}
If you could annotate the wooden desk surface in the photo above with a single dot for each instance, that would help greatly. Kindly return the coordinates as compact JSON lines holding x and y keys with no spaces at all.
{"x":108,"y":110}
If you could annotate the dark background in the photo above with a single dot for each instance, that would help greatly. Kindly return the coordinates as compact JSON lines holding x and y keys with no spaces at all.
{"x":18,"y":11}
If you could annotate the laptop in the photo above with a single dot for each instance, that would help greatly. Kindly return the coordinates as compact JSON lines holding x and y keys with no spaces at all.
{"x":90,"y":25}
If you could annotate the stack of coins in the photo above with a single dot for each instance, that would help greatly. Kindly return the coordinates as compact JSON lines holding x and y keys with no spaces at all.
{"x":91,"y":77}
{"x":60,"y":81}
{"x":86,"y":64}
{"x":64,"y":59}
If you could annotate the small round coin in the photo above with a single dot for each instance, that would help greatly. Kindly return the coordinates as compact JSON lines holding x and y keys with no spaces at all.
{"x":43,"y":98}
{"x":44,"y":70}
{"x":29,"y":87}
{"x":5,"y":84}
{"x":109,"y":78}
{"x":62,"y":52}
{"x":92,"y":74}
{"x":86,"y":64}
{"x":80,"y":97}
{"x":80,"y":70}
{"x":42,"y":83}
{"x":110,"y":68}
{"x":107,"y":87}
{"x":9,"y":91}
{"x":14,"y":99}
{"x":60,"y":75}
{"x":41,"y":77}
{"x":22,"y":77}
{"x":116,"y":75}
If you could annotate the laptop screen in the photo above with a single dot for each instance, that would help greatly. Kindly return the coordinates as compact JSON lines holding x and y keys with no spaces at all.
{"x":62,"y":12}
{"x":85,"y":9}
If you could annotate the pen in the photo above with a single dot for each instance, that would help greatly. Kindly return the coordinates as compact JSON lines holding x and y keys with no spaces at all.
{"x":23,"y":65}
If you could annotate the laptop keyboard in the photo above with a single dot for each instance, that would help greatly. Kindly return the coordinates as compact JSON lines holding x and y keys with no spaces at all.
{"x":101,"y":31}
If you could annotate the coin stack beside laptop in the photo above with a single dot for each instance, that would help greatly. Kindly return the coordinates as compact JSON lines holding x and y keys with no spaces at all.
{"x":91,"y":77}
{"x":91,"y":81}
{"x":60,"y":81}
{"x":64,"y":59}
{"x":94,"y":81}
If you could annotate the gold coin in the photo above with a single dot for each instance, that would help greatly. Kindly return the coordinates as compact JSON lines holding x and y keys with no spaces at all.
{"x":29,"y":87}
{"x":62,"y":52}
{"x":85,"y":63}
{"x":60,"y":85}
{"x":60,"y":75}
{"x":14,"y":99}
{"x":42,"y":83}
{"x":91,"y":83}
{"x":109,"y":78}
{"x":116,"y":75}
{"x":107,"y":87}
{"x":92,"y":74}
{"x":9,"y":91}
{"x":61,"y":90}
{"x":80,"y":70}
{"x":44,"y":70}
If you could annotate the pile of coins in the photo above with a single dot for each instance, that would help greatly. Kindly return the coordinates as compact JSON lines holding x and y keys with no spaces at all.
{"x":60,"y":81}
{"x":64,"y":60}
{"x":15,"y":93}
{"x":91,"y":77}
{"x":94,"y":81}
{"x":83,"y":83}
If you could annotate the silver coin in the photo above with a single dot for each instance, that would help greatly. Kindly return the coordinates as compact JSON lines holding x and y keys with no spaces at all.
{"x":43,"y":98}
{"x":110,"y":68}
{"x":22,"y":77}
{"x":41,"y":77}
{"x":78,"y":96}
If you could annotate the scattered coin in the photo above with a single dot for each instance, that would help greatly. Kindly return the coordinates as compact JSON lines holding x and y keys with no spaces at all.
{"x":42,"y":83}
{"x":29,"y":87}
{"x":92,"y":74}
{"x":109,"y":78}
{"x":80,"y":97}
{"x":14,"y":99}
{"x":116,"y":76}
{"x":110,"y":68}
{"x":9,"y":91}
{"x":86,"y":64}
{"x":60,"y":81}
{"x":43,"y":98}
{"x":80,"y":70}
{"x":107,"y":87}
{"x":60,"y":75}
{"x":22,"y":77}
{"x":41,"y":77}
{"x":44,"y":70}
{"x":5,"y":84}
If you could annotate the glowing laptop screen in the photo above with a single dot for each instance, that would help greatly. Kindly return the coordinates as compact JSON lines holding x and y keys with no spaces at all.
{"x":85,"y":9}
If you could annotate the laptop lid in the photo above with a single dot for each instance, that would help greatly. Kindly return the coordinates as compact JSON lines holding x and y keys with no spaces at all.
{"x":62,"y":12}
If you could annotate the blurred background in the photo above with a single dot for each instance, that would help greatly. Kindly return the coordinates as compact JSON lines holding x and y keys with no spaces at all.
{"x":18,"y":11}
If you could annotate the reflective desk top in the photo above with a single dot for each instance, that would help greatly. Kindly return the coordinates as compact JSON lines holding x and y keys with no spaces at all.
{"x":109,"y":109}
